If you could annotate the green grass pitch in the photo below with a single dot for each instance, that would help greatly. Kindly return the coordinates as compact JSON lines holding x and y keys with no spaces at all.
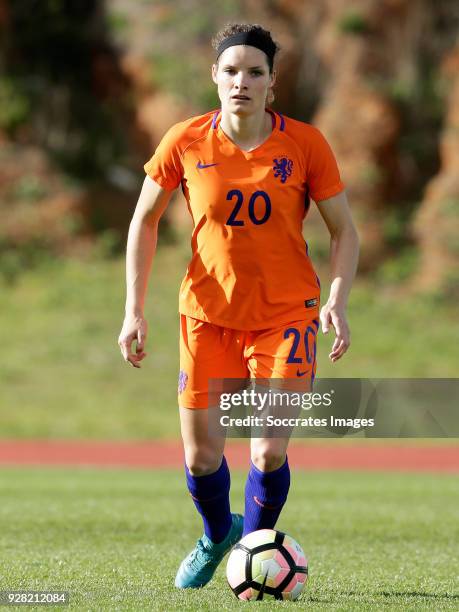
{"x":114,"y":539}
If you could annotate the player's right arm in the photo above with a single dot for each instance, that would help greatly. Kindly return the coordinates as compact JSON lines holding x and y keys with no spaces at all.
{"x":141,"y":248}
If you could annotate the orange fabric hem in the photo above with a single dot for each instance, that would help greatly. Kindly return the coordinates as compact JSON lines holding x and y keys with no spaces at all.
{"x":297,"y":315}
{"x":193,"y":407}
{"x":328,"y":193}
{"x":159,"y":178}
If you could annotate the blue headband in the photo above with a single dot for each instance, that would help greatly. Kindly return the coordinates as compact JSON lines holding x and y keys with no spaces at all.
{"x":253,"y":39}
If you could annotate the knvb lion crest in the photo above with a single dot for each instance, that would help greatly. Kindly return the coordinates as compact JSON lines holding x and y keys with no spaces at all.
{"x":282,"y":167}
{"x":182,"y":381}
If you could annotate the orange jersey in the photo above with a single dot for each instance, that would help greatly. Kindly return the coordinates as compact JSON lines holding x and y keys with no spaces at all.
{"x":249,"y":268}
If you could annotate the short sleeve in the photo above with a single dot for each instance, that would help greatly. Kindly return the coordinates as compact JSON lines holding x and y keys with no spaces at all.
{"x":165,"y":167}
{"x":323,"y":177}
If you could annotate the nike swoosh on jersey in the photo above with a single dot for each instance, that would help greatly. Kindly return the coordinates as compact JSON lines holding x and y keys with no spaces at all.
{"x":202,"y":166}
{"x":298,"y":373}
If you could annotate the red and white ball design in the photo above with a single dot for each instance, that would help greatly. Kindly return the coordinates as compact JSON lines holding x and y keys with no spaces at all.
{"x":267,"y":564}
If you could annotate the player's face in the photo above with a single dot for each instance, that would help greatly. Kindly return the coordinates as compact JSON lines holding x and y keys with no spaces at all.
{"x":243,"y":79}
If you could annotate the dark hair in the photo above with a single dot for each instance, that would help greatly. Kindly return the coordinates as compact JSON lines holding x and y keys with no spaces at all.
{"x":238,"y":28}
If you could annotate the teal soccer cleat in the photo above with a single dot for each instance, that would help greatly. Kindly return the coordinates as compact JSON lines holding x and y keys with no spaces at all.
{"x":199,"y":566}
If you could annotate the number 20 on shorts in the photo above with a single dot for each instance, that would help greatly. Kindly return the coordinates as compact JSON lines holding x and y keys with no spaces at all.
{"x":309,"y":334}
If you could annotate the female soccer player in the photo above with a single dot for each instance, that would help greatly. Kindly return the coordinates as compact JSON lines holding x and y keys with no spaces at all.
{"x":250,"y":292}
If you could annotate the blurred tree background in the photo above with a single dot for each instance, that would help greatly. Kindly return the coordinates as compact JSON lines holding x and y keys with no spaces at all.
{"x":88,"y":87}
{"x":87,"y":90}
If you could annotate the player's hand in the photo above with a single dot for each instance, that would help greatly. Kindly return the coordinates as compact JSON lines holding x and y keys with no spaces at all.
{"x":335,"y":316}
{"x":134,"y":329}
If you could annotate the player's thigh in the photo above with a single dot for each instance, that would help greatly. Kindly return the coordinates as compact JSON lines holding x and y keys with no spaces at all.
{"x":209,"y":354}
{"x":283,"y":362}
{"x":278,"y":410}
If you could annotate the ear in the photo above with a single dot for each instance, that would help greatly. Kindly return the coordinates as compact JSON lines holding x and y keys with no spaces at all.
{"x":272,"y":78}
{"x":214,"y":73}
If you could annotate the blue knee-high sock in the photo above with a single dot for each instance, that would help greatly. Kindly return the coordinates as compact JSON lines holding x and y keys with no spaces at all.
{"x":265,"y":496}
{"x":210,"y":494}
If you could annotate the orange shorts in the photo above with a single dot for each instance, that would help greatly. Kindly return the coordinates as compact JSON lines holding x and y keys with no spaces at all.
{"x":208,"y":351}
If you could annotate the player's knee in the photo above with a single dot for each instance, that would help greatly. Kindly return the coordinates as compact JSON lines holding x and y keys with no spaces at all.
{"x":201,"y":462}
{"x":268,"y":460}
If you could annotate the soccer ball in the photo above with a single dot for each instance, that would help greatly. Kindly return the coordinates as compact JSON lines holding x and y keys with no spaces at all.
{"x":267,"y":564}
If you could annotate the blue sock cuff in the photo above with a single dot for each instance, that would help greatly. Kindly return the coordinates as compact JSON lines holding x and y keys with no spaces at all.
{"x":265,"y":496}
{"x":202,"y":486}
{"x":268,"y":477}
{"x":273,"y":486}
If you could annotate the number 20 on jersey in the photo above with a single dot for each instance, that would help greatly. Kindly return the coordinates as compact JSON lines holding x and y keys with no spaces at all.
{"x":259,"y":207}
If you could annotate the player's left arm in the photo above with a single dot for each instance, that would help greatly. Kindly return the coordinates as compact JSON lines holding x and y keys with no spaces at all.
{"x":344,"y":255}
